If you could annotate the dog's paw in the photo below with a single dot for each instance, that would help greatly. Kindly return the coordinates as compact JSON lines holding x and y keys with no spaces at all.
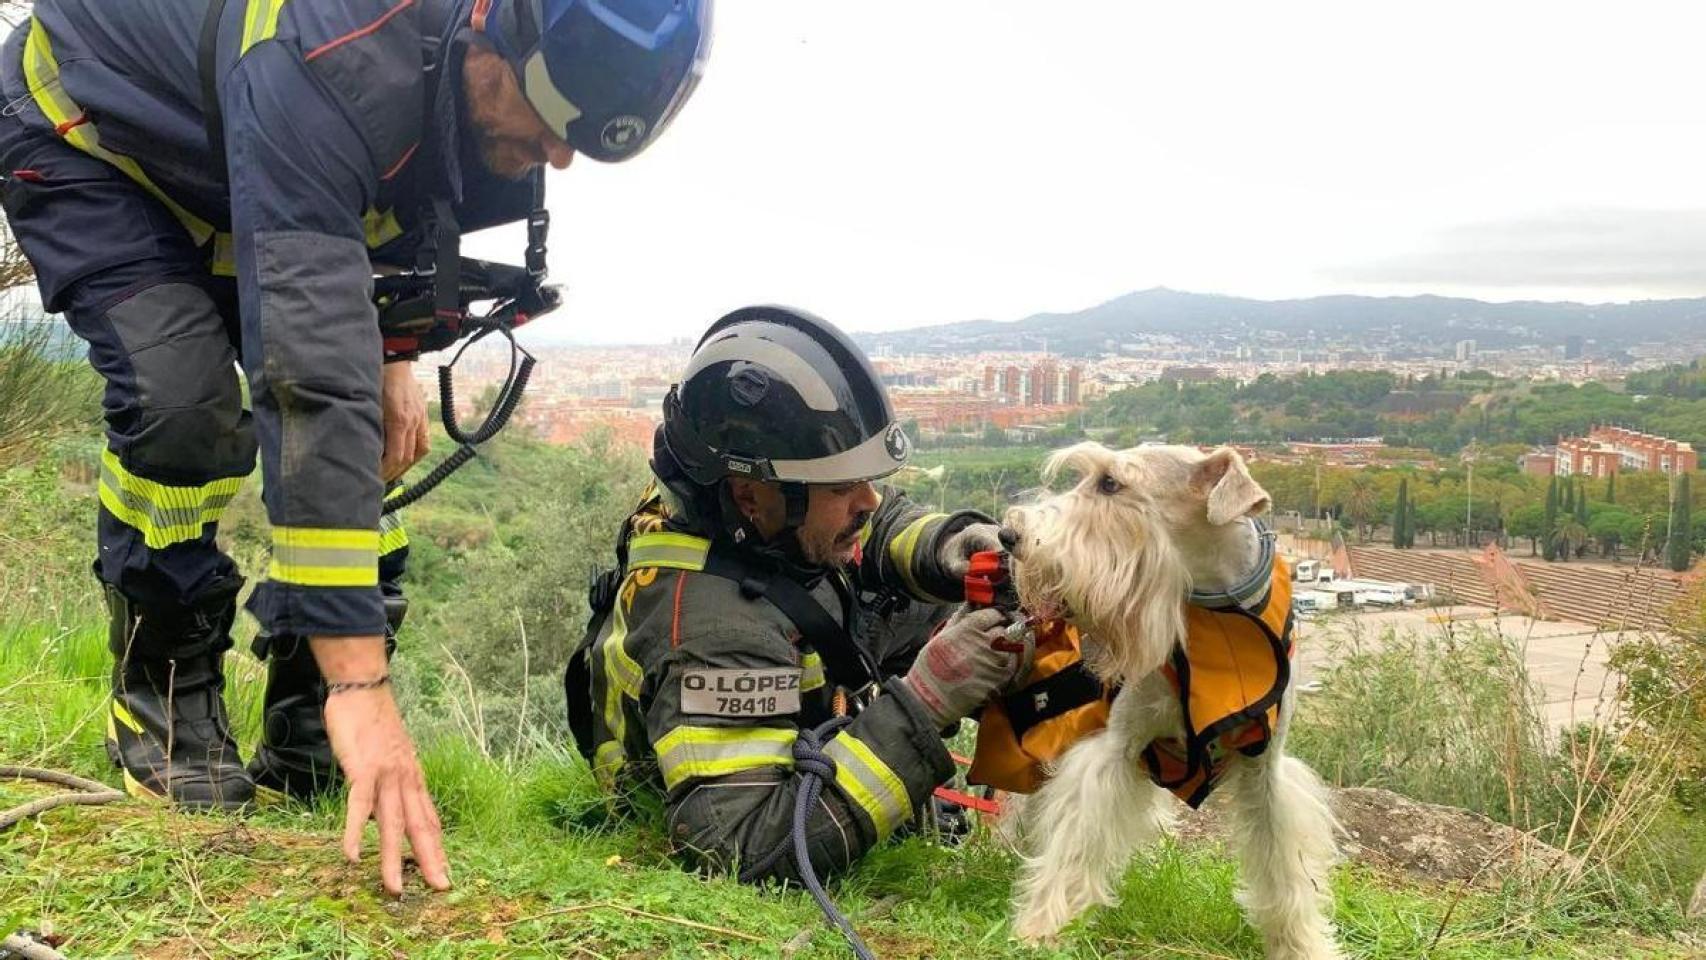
{"x":1312,"y":949}
{"x":1036,"y":930}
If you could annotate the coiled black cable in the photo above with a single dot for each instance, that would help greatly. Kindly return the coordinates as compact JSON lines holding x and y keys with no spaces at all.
{"x":509,"y":398}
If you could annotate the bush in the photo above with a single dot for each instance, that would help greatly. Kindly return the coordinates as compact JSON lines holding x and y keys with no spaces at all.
{"x":43,"y":393}
{"x":1452,"y":717}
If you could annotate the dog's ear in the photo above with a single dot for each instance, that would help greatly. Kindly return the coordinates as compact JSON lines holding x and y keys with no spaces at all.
{"x":1232,"y":492}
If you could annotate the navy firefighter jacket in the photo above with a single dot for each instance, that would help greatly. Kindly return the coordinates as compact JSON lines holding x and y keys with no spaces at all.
{"x":341,"y":123}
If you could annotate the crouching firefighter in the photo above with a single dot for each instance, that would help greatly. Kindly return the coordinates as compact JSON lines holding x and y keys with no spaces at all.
{"x":724,"y":663}
{"x":201,"y":182}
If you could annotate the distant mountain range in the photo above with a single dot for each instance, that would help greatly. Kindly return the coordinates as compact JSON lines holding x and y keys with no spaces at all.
{"x":1400,"y":322}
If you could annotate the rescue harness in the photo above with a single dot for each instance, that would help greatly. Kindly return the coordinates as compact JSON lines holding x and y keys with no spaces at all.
{"x":844,"y":657}
{"x":430,"y":307}
{"x":1229,"y":676}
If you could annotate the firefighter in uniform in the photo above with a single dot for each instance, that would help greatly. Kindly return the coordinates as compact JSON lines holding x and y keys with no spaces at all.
{"x":201,"y":182}
{"x":731,"y":632}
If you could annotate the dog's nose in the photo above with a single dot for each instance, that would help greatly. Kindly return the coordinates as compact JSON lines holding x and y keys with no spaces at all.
{"x":1009,"y":538}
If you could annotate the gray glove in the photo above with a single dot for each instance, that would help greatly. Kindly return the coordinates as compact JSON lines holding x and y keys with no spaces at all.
{"x":973,"y":657}
{"x":956,"y":551}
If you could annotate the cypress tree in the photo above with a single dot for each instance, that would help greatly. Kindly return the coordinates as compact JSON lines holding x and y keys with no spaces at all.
{"x":1611,"y":488}
{"x":1569,"y":505}
{"x":1582,"y":513}
{"x":1550,"y":523}
{"x":1401,"y":516}
{"x":1681,"y":527}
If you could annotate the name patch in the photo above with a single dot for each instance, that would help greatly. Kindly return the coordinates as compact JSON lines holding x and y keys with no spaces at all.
{"x":741,"y":693}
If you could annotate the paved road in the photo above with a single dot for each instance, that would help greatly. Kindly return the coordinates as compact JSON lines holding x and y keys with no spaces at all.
{"x":1567,"y":660}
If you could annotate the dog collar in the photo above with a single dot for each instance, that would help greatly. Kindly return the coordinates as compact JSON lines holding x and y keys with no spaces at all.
{"x":1252,"y":593}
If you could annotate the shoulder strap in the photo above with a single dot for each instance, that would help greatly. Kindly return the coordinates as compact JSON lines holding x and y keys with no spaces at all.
{"x":207,"y":58}
{"x":844,"y":659}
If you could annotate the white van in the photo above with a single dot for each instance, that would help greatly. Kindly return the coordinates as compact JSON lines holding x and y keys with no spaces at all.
{"x":1308,"y":603}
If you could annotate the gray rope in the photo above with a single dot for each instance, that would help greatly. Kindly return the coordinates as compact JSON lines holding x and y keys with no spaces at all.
{"x":813,"y":767}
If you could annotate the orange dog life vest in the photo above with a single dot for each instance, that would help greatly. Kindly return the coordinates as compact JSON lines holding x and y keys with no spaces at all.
{"x":1230,"y":676}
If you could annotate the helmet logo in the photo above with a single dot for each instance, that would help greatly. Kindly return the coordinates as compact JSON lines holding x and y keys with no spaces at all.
{"x":896,"y":442}
{"x":623,"y":133}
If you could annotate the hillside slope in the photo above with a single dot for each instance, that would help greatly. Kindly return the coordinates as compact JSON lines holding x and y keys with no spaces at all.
{"x":541,"y":871}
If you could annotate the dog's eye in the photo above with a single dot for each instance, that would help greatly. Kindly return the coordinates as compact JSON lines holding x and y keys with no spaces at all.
{"x":1109,"y":485}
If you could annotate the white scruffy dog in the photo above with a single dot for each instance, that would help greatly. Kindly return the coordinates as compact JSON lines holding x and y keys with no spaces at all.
{"x":1118,"y":555}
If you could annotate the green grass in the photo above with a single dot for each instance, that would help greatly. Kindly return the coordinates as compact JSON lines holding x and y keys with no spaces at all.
{"x":541,"y":872}
{"x":541,"y":869}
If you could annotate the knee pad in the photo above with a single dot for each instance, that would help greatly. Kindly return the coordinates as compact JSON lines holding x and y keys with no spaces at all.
{"x":187,"y":422}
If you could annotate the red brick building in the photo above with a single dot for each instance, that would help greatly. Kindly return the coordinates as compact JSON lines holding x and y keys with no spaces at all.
{"x":1046,"y":384}
{"x":1608,"y":450}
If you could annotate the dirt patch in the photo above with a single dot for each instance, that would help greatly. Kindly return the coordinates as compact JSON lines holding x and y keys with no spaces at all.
{"x":1425,"y":840}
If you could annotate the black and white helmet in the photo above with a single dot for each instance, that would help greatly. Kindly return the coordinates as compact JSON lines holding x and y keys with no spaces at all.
{"x":774,"y":393}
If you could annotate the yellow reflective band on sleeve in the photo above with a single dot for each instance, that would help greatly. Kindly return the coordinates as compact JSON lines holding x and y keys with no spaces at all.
{"x":315,"y":557}
{"x":163,"y":514}
{"x":811,"y":672}
{"x":260,"y":22}
{"x":903,"y":551}
{"x":41,"y":72}
{"x":607,"y":762}
{"x":622,"y":676}
{"x":869,"y":782}
{"x":678,"y":551}
{"x":688,"y":753}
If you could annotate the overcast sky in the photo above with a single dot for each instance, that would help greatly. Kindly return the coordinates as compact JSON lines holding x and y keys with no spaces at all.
{"x":890,"y":163}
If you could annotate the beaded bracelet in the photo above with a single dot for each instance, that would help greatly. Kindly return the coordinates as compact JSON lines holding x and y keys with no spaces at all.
{"x":344,"y":686}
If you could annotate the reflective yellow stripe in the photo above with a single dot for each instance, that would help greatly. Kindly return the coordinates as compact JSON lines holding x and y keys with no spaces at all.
{"x":678,"y":551}
{"x":124,"y":716}
{"x":689,"y":752}
{"x":317,"y":557}
{"x":607,"y":761}
{"x":380,"y":228}
{"x":621,"y":675}
{"x":903,"y":550}
{"x":163,"y":514}
{"x":41,"y":71}
{"x":811,"y":672}
{"x":869,"y":782}
{"x":392,"y":536}
{"x":260,"y":22}
{"x":224,"y":260}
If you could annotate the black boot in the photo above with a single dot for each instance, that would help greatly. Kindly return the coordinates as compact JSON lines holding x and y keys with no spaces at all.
{"x":167,"y":728}
{"x":295,"y":756}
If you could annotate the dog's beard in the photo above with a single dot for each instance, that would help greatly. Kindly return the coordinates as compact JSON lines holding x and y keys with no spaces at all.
{"x":1112,"y":573}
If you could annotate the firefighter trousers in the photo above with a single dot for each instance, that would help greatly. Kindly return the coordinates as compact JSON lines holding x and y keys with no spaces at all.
{"x":163,"y":332}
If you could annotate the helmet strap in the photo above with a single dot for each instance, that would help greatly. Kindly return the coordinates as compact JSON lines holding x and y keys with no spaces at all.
{"x":511,"y":25}
{"x":796,"y":498}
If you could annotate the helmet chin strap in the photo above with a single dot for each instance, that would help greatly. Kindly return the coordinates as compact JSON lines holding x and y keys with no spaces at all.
{"x":797,"y":498}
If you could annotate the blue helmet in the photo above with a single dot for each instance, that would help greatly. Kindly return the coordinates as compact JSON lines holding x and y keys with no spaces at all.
{"x":605,"y":75}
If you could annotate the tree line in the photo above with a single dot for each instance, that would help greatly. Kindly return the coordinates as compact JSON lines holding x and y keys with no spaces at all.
{"x":1642,"y":517}
{"x":1442,"y":413}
